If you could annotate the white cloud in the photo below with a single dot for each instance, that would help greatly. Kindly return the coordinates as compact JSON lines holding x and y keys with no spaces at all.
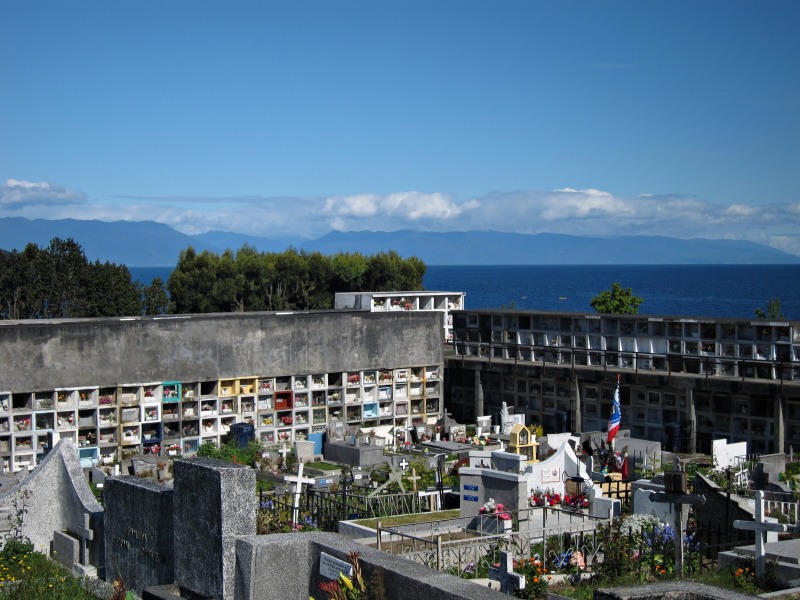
{"x":584,"y":212}
{"x":396,"y":210}
{"x":15,"y":194}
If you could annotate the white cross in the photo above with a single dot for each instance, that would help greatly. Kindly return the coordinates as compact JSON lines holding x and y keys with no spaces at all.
{"x":760,"y":527}
{"x":509,"y":581}
{"x":502,"y":446}
{"x":403,"y":464}
{"x":298,"y":481}
{"x":284,"y":451}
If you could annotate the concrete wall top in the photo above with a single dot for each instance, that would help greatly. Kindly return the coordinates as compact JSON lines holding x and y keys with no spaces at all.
{"x":40,"y":355}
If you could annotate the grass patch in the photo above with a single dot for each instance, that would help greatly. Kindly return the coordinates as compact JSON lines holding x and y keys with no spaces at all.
{"x":323,"y":466}
{"x":29,"y":575}
{"x":426,"y":517}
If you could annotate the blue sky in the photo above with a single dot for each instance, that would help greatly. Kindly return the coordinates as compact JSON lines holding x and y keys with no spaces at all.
{"x":298,"y":117}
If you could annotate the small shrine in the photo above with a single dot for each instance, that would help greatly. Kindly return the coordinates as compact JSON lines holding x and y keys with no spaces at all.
{"x":523,"y":442}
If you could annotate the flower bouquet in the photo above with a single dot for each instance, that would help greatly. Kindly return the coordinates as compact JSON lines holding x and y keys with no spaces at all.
{"x":495,"y":508}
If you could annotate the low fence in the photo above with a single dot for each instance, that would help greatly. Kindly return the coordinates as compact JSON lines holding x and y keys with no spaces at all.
{"x":562,"y":541}
{"x":326,"y":509}
{"x":462,"y":546}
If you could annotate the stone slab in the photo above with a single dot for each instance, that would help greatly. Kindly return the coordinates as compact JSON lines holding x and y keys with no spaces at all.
{"x":262,"y":562}
{"x":66,"y":549}
{"x":673,"y":590}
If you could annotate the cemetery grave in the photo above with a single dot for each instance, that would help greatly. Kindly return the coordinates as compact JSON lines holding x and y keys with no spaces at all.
{"x":500,"y":507}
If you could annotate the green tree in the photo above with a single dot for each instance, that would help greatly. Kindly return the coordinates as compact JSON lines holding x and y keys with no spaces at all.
{"x":59,"y":282}
{"x":773,"y":312}
{"x":617,"y":301}
{"x":111,"y":291}
{"x":252,"y":269}
{"x":155,"y":299}
{"x":348,"y":272}
{"x":191,"y":282}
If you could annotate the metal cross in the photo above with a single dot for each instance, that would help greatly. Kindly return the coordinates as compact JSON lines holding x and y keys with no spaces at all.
{"x":403,"y":464}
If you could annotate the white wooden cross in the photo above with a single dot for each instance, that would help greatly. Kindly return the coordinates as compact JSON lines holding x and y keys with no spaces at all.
{"x":509,"y":580}
{"x":298,"y":481}
{"x":403,"y":464}
{"x":760,"y":526}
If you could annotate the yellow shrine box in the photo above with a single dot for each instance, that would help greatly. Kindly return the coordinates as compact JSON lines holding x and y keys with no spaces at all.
{"x":522,"y":442}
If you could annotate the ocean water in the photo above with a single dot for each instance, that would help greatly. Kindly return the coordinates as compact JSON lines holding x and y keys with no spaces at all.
{"x":686,"y":290}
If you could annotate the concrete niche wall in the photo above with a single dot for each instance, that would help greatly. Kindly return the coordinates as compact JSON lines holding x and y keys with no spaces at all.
{"x":44,"y":354}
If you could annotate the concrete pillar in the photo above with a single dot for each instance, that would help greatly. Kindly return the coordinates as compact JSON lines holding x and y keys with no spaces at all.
{"x":577,"y":415}
{"x":478,"y":393}
{"x":779,"y":425}
{"x":691,"y":417}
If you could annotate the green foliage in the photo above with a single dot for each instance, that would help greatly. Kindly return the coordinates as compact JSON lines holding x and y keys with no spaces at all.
{"x":537,"y":579}
{"x":155,"y":300}
{"x":34,"y":576}
{"x":290,"y":280}
{"x":231,"y":452}
{"x":773,"y":312}
{"x":617,"y":301}
{"x":59,"y":282}
{"x":273,"y":517}
{"x":96,"y":491}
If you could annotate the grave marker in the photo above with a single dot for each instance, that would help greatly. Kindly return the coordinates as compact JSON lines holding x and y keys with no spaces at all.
{"x":675,"y":495}
{"x":139,"y":532}
{"x":298,"y":481}
{"x":85,"y":534}
{"x":331,"y":567}
{"x":509,"y":580}
{"x":214,"y":504}
{"x":414,"y":478}
{"x":761,"y":526}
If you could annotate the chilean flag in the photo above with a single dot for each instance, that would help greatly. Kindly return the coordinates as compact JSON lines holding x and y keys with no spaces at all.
{"x":616,"y":416}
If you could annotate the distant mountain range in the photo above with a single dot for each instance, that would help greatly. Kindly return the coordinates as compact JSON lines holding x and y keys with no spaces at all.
{"x":151,"y":244}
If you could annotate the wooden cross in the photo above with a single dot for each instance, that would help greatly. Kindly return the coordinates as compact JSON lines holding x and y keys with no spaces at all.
{"x":403,"y":464}
{"x":760,"y":526}
{"x":413,"y":478}
{"x":678,"y":499}
{"x":509,"y":580}
{"x":298,"y":481}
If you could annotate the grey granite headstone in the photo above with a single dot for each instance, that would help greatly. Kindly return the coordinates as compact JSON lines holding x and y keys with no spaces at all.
{"x":140,"y":533}
{"x":214,"y":503}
